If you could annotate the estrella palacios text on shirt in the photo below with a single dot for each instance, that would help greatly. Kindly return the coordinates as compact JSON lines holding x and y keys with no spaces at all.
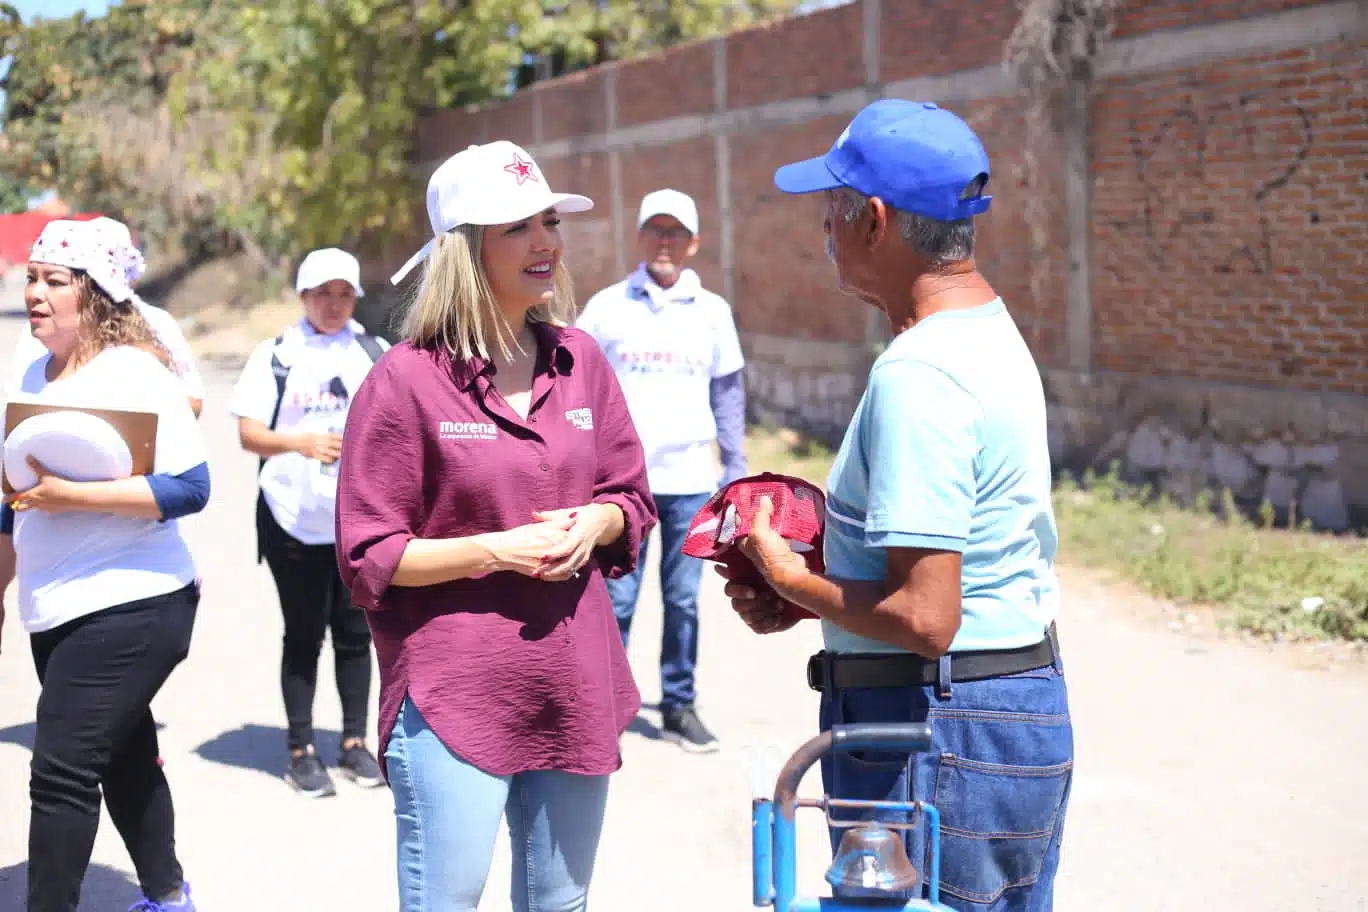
{"x":661,"y":362}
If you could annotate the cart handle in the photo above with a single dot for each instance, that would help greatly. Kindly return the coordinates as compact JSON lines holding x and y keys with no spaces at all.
{"x":908,"y":737}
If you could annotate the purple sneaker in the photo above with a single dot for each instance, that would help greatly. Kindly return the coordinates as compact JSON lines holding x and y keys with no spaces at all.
{"x":184,"y":904}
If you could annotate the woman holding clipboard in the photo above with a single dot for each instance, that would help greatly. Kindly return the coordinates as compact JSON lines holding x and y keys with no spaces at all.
{"x":107,"y":583}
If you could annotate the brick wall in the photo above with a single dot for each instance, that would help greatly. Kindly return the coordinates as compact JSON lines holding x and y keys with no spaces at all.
{"x":1204,"y":275}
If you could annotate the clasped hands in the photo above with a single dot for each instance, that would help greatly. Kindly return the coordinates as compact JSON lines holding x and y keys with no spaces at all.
{"x":557,"y":545}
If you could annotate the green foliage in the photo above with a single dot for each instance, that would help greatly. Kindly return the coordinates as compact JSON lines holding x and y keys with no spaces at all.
{"x":287,"y":125}
{"x":14,"y":196}
{"x":322,"y":99}
{"x":1274,"y":582}
{"x":329,"y":92}
{"x":83,"y":99}
{"x":626,"y":30}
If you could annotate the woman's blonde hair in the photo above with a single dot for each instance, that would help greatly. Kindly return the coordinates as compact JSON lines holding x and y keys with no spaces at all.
{"x":102,"y":323}
{"x":455,"y":309}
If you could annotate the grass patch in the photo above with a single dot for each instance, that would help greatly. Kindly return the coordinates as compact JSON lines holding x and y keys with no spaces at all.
{"x":788,"y":452}
{"x":1293,"y":584}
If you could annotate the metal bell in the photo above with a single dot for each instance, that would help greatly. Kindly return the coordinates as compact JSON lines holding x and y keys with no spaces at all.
{"x":872,"y":857}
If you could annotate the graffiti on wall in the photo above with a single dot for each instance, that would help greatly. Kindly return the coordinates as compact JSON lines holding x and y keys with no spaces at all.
{"x":1209,"y":171}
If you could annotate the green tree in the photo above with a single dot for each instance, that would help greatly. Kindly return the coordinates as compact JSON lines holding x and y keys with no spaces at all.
{"x":85,"y":112}
{"x":287,"y":125}
{"x":328,"y":93}
{"x":14,"y":196}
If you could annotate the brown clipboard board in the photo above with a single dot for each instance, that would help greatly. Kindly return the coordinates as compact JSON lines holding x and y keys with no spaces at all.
{"x":138,"y":430}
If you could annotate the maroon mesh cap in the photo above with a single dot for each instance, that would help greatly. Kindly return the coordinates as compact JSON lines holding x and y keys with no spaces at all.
{"x":799,"y":516}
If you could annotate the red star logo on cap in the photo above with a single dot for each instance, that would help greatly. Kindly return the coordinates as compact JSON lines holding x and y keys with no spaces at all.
{"x":522,"y":169}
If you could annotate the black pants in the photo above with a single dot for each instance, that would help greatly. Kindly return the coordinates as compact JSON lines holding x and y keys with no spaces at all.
{"x":95,"y":731}
{"x":314,"y":601}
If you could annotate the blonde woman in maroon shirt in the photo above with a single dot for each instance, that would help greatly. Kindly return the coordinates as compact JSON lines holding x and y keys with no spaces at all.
{"x":491,"y":478}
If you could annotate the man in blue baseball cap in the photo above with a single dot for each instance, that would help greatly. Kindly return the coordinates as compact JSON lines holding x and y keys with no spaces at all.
{"x":939,"y":597}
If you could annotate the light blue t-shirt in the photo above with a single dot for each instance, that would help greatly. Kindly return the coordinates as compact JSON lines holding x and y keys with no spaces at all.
{"x":948,"y":450}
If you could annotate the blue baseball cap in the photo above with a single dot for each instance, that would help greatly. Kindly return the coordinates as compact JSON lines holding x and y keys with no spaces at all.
{"x":914,"y":155}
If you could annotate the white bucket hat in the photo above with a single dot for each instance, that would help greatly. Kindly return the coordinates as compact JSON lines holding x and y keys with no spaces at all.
{"x":492,"y":184}
{"x":322,"y":266}
{"x":81,"y":245}
{"x":120,"y":240}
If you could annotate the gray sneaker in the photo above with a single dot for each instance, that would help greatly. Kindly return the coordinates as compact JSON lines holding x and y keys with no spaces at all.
{"x":683,"y":727}
{"x":359,"y":765}
{"x":307,"y":776}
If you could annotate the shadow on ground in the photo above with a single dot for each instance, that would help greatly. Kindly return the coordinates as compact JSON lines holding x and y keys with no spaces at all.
{"x":261,"y":748}
{"x":644,"y":728}
{"x":105,"y":889}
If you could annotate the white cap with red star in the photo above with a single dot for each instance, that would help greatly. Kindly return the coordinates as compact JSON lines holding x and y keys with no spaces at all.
{"x":82,"y":246}
{"x":492,"y":184}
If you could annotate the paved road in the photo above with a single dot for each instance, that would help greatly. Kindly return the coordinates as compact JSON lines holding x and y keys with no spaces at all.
{"x":1211,"y":776}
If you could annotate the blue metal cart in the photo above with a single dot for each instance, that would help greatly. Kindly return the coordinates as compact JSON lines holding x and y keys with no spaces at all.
{"x":871,"y":856}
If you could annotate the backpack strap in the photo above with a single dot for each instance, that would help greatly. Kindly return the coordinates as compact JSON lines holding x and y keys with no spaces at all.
{"x":371,"y":346}
{"x":281,"y":374}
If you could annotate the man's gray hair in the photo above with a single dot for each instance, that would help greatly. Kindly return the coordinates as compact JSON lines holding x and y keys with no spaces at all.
{"x":940,"y":242}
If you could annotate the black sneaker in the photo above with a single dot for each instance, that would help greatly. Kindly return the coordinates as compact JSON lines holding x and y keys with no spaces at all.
{"x":359,"y":765}
{"x":683,"y":727}
{"x":308,"y":777}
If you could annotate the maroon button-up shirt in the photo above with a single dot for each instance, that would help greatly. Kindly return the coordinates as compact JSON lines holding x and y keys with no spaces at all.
{"x":510,"y":672}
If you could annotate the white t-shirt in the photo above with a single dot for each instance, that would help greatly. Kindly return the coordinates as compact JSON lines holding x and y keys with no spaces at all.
{"x":325,"y":370}
{"x":667,"y":345}
{"x":73,"y":564}
{"x":168,"y":331}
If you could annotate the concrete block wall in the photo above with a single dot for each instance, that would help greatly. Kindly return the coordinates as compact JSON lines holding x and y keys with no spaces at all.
{"x":1201,"y":273}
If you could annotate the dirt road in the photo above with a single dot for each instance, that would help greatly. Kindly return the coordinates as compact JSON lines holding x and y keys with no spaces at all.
{"x":1212,"y":776}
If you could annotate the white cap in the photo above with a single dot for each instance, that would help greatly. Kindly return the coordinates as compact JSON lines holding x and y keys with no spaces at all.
{"x":493,"y":184}
{"x":669,"y":202}
{"x":322,"y":266}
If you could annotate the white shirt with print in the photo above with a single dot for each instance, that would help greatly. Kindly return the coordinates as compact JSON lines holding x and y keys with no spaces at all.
{"x":667,"y":345}
{"x":29,"y":349}
{"x":325,"y":370}
{"x":73,"y":564}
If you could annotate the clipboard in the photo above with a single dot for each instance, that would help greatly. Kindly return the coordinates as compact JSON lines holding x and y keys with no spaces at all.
{"x":138,"y":430}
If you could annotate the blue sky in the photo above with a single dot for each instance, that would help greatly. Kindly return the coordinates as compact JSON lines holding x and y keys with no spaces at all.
{"x":58,"y":9}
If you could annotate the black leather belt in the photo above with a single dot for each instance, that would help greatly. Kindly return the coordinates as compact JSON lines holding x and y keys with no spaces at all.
{"x":837,"y":671}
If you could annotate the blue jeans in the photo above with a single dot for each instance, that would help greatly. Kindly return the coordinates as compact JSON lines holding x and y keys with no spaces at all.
{"x":999,"y":770}
{"x":448,"y":814}
{"x":680,"y":576}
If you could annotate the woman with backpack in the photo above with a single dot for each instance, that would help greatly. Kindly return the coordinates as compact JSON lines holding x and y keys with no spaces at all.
{"x":291,"y":403}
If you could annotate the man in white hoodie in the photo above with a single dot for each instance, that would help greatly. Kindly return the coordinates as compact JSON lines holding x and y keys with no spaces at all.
{"x":119,"y":240}
{"x":674,"y":347}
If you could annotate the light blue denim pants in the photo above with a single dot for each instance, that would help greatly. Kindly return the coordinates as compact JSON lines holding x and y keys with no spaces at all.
{"x":448,"y":814}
